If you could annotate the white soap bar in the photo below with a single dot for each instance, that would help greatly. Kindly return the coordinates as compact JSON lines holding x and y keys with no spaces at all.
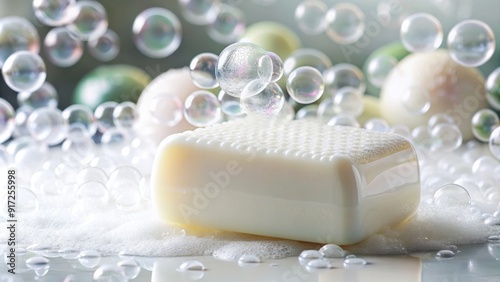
{"x":298,"y":180}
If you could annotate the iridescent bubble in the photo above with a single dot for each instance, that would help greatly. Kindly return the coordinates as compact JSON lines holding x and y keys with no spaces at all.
{"x":332,"y":251}
{"x":344,"y":120}
{"x":125,"y":115}
{"x":268,"y":102}
{"x":201,"y":108}
{"x":348,"y":101}
{"x":483,"y":124}
{"x":377,"y":124}
{"x":47,"y":125}
{"x":421,"y":32}
{"x":451,"y":195}
{"x":471,"y":43}
{"x":305,"y":85}
{"x":446,"y":137}
{"x":54,"y":12}
{"x":78,"y":148}
{"x":108,"y":273}
{"x":105,"y":47}
{"x":91,"y":20}
{"x":345,"y":23}
{"x":309,"y":255}
{"x":7,"y":122}
{"x":378,"y":69}
{"x":416,"y":100}
{"x":202,"y":70}
{"x":45,"y":96}
{"x":310,"y":16}
{"x":444,"y":255}
{"x":493,"y":89}
{"x":270,"y":67}
{"x":17,"y":34}
{"x":103,"y":115}
{"x":344,"y":75}
{"x":307,"y":112}
{"x":200,"y":12}
{"x":89,"y":258}
{"x":494,"y":143}
{"x":157,"y":32}
{"x":229,"y":25}
{"x":62,"y":47}
{"x":130,"y":267}
{"x":24,"y":71}
{"x":237,"y":66}
{"x":80,"y":118}
{"x":230,"y":105}
{"x":166,"y":110}
{"x":307,"y":57}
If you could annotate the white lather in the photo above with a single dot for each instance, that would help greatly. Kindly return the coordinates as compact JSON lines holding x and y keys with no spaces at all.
{"x":298,"y":180}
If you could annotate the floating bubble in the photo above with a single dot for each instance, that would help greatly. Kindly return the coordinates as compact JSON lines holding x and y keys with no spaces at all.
{"x":378,"y":69}
{"x":228,"y":26}
{"x":326,"y":109}
{"x":230,"y":105}
{"x":471,"y":43}
{"x":305,"y":85}
{"x":307,"y":57}
{"x":316,"y":264}
{"x":166,"y":110}
{"x":17,"y":34}
{"x":354,"y":262}
{"x":103,"y":115}
{"x":447,"y":137}
{"x":45,"y":96}
{"x":310,"y":16}
{"x":105,"y":47}
{"x":494,"y":143}
{"x":54,"y":12}
{"x":78,"y":148}
{"x":109,"y":272}
{"x":451,"y":195}
{"x":270,"y":67}
{"x":46,"y":182}
{"x":268,"y":102}
{"x":440,"y":118}
{"x":80,"y":117}
{"x":123,"y":184}
{"x":493,"y":89}
{"x":483,"y":123}
{"x":307,"y":112}
{"x":89,"y":258}
{"x":62,"y":47}
{"x":248,"y":259}
{"x":200,"y":12}
{"x":7,"y":121}
{"x":444,"y":255}
{"x":484,"y":165}
{"x":237,"y":66}
{"x":114,"y":140}
{"x":346,"y":23}
{"x":332,"y":251}
{"x":92,"y":194}
{"x":416,"y":100}
{"x":202,"y":70}
{"x":69,"y":253}
{"x":125,"y":115}
{"x":348,"y":101}
{"x":421,"y":137}
{"x":344,"y":120}
{"x":157,"y":32}
{"x":191,"y":265}
{"x":377,"y":124}
{"x":201,"y":108}
{"x":130,"y":267}
{"x":24,"y":71}
{"x":21,"y":121}
{"x":309,"y":255}
{"x":421,"y":32}
{"x":344,"y":75}
{"x":47,"y":125}
{"x":91,"y":20}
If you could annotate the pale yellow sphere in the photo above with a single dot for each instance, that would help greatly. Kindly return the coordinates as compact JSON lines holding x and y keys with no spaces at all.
{"x":453,"y":89}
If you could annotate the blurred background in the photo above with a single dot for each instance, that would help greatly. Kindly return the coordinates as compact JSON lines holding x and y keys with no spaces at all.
{"x":381,"y":28}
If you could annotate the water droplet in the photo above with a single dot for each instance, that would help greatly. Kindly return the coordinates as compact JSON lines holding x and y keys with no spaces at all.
{"x":354,"y":262}
{"x":69,"y":253}
{"x":89,"y":258}
{"x":109,"y":272}
{"x":317,"y":264}
{"x":309,"y":255}
{"x":444,"y":255}
{"x":332,"y":251}
{"x":130,"y":267}
{"x":191,"y":265}
{"x":248,"y":259}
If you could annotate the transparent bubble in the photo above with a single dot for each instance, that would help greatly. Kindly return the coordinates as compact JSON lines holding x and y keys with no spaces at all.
{"x":166,"y":110}
{"x":201,"y":108}
{"x":157,"y":32}
{"x":305,"y":85}
{"x":483,"y":123}
{"x":47,"y":125}
{"x":307,"y":57}
{"x":378,"y":69}
{"x":229,"y":25}
{"x":21,"y":121}
{"x":5,"y":158}
{"x":494,"y":143}
{"x":287,"y":112}
{"x":89,"y":258}
{"x":114,"y":140}
{"x":493,"y":89}
{"x":447,"y":137}
{"x":125,"y":115}
{"x":191,"y":265}
{"x":200,"y":12}
{"x":421,"y":32}
{"x":62,"y":47}
{"x":248,"y":259}
{"x":108,"y":273}
{"x":17,"y":34}
{"x":29,"y":203}
{"x":7,"y":121}
{"x":270,"y":67}
{"x":346,"y":23}
{"x":348,"y":100}
{"x":310,"y":16}
{"x":494,"y":239}
{"x":69,"y":253}
{"x":45,"y":96}
{"x":416,"y":100}
{"x":444,"y":254}
{"x":307,"y":112}
{"x":344,"y":120}
{"x":31,"y":158}
{"x":202,"y":70}
{"x":237,"y":66}
{"x":309,"y":255}
{"x":421,"y":137}
{"x":268,"y":102}
{"x":316,"y":264}
{"x":230,"y":105}
{"x":103,"y":115}
{"x":92,"y":194}
{"x":332,"y":251}
{"x":78,"y":148}
{"x":451,"y":195}
{"x":471,"y":43}
{"x":377,"y":124}
{"x":440,"y":118}
{"x":105,"y":47}
{"x":80,"y":117}
{"x":54,"y":12}
{"x":46,"y":182}
{"x":344,"y":75}
{"x":123,"y":184}
{"x":91,"y":20}
{"x":484,"y":165}
{"x":24,"y":71}
{"x":130,"y":267}
{"x":354,"y":262}
{"x":326,"y":109}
